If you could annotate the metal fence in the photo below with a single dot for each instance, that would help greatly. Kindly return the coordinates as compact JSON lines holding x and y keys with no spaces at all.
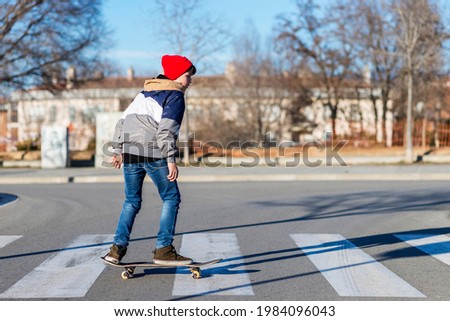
{"x":426,"y":133}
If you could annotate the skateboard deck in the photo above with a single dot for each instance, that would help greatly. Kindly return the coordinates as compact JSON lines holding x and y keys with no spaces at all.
{"x":195,"y":267}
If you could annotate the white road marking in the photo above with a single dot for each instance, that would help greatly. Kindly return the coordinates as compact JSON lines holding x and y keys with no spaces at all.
{"x":6,"y":239}
{"x":68,"y":273}
{"x":350,"y":270}
{"x":223,"y":278}
{"x":438,"y":246}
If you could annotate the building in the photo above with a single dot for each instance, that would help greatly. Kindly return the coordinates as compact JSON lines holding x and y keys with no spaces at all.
{"x":74,"y":104}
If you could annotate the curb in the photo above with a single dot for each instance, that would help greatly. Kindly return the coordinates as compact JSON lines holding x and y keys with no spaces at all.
{"x":20,"y":180}
{"x":234,"y":178}
{"x":285,"y":161}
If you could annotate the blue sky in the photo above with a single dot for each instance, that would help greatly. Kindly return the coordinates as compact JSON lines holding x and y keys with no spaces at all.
{"x":133,"y":43}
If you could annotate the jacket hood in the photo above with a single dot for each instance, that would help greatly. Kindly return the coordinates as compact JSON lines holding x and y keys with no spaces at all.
{"x":162,"y":84}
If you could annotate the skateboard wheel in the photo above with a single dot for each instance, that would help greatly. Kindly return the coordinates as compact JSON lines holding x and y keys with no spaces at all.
{"x":126,"y":275}
{"x":196,"y":273}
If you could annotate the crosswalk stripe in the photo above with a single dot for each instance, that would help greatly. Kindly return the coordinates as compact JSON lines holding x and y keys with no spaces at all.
{"x":437,"y":246}
{"x":224,"y":280}
{"x":6,"y":239}
{"x":69,"y":273}
{"x":350,"y":270}
{"x":72,"y":271}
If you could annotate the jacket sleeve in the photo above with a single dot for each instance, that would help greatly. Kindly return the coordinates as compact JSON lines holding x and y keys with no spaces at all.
{"x":117,"y":140}
{"x":118,"y":137}
{"x":169,"y":126}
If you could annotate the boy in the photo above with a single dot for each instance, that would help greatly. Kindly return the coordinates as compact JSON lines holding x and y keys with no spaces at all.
{"x":144,"y":142}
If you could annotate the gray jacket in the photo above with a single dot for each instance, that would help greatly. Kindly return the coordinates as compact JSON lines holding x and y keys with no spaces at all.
{"x":150,"y":125}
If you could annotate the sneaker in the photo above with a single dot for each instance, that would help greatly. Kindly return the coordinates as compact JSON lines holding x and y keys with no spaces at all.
{"x":116,"y":253}
{"x":168,"y":256}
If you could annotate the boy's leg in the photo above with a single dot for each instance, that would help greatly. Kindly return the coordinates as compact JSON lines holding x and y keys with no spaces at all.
{"x":134,"y":175}
{"x":170,"y":195}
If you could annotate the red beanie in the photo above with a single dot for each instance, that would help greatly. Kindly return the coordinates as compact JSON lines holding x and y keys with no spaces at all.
{"x":174,"y":66}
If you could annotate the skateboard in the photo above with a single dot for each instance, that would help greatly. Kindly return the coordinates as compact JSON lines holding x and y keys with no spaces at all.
{"x":194,"y":267}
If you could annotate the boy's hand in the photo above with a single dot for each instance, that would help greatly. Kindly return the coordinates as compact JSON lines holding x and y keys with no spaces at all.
{"x":173,"y":172}
{"x":116,"y":161}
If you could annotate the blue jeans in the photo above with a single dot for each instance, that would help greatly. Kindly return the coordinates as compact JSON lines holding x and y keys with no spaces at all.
{"x":134,"y":175}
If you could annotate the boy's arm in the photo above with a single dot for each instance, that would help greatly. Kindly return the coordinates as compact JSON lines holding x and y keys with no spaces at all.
{"x":118,"y":136}
{"x":117,"y":143}
{"x":117,"y":140}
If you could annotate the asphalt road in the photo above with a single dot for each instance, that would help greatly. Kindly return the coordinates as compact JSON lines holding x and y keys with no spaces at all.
{"x":293,"y":240}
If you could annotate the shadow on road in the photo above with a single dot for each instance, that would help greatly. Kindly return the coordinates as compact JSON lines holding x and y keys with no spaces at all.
{"x":318,"y":208}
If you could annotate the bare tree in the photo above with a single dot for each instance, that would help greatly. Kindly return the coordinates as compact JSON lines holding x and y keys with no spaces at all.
{"x":247,"y":86}
{"x":40,"y":38}
{"x":325,"y":42}
{"x":259,"y":88}
{"x":189,"y":31}
{"x":294,"y":78}
{"x":375,"y":33}
{"x":420,"y":38}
